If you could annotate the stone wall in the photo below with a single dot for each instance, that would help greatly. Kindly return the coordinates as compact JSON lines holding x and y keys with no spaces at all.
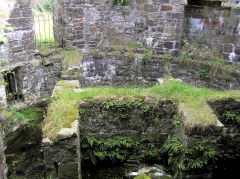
{"x":216,"y":27}
{"x":60,"y":158}
{"x":228,"y":112}
{"x":120,"y":135}
{"x":20,"y":46}
{"x":120,"y":70}
{"x":34,"y":78}
{"x":156,"y":24}
{"x":128,"y":70}
{"x":24,"y":157}
{"x":3,"y":169}
{"x":37,"y":79}
{"x":90,"y":24}
{"x":16,"y":14}
{"x":143,"y":125}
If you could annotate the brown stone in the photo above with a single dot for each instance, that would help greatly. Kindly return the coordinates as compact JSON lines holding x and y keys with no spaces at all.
{"x":166,"y":8}
{"x":77,"y":20}
{"x":93,"y":29}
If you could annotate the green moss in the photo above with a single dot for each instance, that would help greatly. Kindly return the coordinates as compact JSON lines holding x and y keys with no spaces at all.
{"x":31,"y":116}
{"x":142,"y":176}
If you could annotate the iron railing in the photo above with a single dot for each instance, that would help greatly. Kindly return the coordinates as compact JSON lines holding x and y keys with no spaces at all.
{"x":44,"y":33}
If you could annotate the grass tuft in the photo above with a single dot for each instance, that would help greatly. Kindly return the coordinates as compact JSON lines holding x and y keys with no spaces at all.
{"x":72,"y":58}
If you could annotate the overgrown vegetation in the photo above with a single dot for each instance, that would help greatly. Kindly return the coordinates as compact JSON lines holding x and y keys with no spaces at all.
{"x":147,"y":53}
{"x":72,"y":58}
{"x":203,"y":74}
{"x":177,"y":121}
{"x":197,"y":51}
{"x":175,"y":150}
{"x":231,"y":118}
{"x":166,"y":59}
{"x":153,"y":151}
{"x":183,"y":158}
{"x":142,"y":176}
{"x":8,"y":27}
{"x":30,"y":116}
{"x":121,"y":2}
{"x":46,"y":6}
{"x":116,"y":148}
{"x":64,"y":107}
{"x":121,"y":107}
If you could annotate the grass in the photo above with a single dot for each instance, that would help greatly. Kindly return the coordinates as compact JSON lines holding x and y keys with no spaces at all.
{"x":31,"y":116}
{"x":193,"y":101}
{"x":217,"y":65}
{"x":72,"y":58}
{"x":142,"y":176}
{"x":199,"y":52}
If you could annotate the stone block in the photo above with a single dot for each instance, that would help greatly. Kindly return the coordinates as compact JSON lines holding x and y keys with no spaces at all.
{"x":228,"y":48}
{"x":176,"y":2}
{"x":168,"y":45}
{"x":16,"y":13}
{"x":141,"y":1}
{"x":161,"y":1}
{"x":235,"y":11}
{"x":166,"y":8}
{"x":151,"y":8}
{"x":77,"y":20}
